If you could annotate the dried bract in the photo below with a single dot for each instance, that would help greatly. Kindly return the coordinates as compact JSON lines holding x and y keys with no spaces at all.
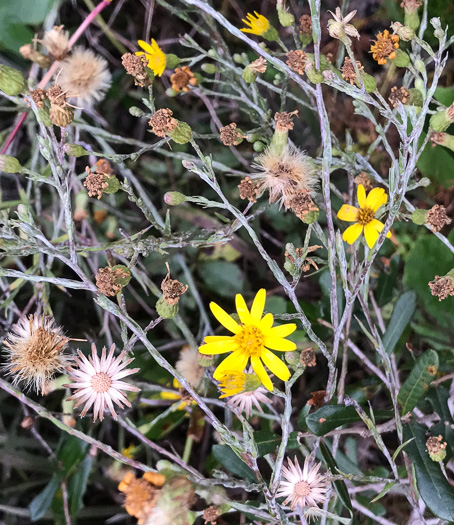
{"x":109,"y":280}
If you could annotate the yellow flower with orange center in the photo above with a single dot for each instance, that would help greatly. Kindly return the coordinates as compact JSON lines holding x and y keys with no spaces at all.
{"x":155,"y":56}
{"x":254,"y":338}
{"x":364,"y":216}
{"x":384,"y":47}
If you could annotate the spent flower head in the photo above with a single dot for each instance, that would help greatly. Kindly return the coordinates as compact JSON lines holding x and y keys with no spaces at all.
{"x":34,"y":350}
{"x":254,"y":338}
{"x":384,"y":48}
{"x":56,"y":42}
{"x":97,"y":381}
{"x":338,"y":26}
{"x":364,"y":216}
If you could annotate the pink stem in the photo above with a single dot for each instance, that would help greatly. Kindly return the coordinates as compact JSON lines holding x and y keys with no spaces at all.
{"x":55,"y":65}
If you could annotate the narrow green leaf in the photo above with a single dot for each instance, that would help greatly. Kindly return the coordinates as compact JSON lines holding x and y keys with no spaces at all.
{"x":401,"y":316}
{"x":385,"y":491}
{"x":43,"y":500}
{"x":417,"y":383}
{"x":268,"y":441}
{"x":229,"y":460}
{"x":78,"y":485}
{"x":399,"y":448}
{"x":433,"y":487}
{"x":329,"y":417}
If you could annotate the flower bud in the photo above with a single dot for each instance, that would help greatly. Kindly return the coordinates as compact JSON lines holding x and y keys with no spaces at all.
{"x":411,"y":19}
{"x":443,"y":119}
{"x":75,"y":150}
{"x":258,"y":146}
{"x":174,"y":198}
{"x":419,"y":65}
{"x":293,"y":358}
{"x":182,"y":134}
{"x":10,"y":164}
{"x":61,"y":116}
{"x":12,"y":81}
{"x":172,"y":61}
{"x":249,"y":75}
{"x":286,"y":19}
{"x":405,"y":33}
{"x":313,"y":74}
{"x":415,"y":98}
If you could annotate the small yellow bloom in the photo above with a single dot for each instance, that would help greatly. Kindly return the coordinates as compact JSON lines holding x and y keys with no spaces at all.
{"x":155,"y":56}
{"x":260,"y":25}
{"x":231,"y":383}
{"x":364,"y":216}
{"x":253,"y":338}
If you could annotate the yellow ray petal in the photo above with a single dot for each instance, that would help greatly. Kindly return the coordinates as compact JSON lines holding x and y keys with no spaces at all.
{"x":276,"y":365}
{"x":371,"y":234}
{"x":217,"y":338}
{"x":361,"y":196}
{"x":352,"y":233}
{"x":221,"y":347}
{"x":266,"y":323}
{"x":280,"y":344}
{"x":283,"y":330}
{"x":224,"y":318}
{"x":146,"y":47}
{"x":234,"y":362}
{"x":348,"y":213}
{"x":242,"y":309}
{"x":259,"y":369}
{"x":376,"y":198}
{"x":258,"y":305}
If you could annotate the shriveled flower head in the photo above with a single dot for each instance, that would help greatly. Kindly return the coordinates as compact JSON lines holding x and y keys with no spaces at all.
{"x":384,"y":48}
{"x":97,"y":382}
{"x":364,"y":216}
{"x":141,"y":495}
{"x":85,"y":76}
{"x":302,"y":487}
{"x":156,"y":57}
{"x":188,"y":365}
{"x":182,"y":79}
{"x":284,"y":173}
{"x":254,"y":338}
{"x":34,"y":350}
{"x":338,"y":26}
{"x":443,"y":287}
{"x":56,"y":42}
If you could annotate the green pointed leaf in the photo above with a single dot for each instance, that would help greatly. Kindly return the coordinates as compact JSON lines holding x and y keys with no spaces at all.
{"x":78,"y":485}
{"x":385,"y":491}
{"x":433,"y":487}
{"x":230,"y":461}
{"x":42,"y":502}
{"x":329,"y":417}
{"x":417,"y":383}
{"x":401,"y":316}
{"x":268,"y":441}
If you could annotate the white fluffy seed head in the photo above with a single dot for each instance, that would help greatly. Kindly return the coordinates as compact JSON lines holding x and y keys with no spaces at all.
{"x":188,"y":365}
{"x":84,"y":76}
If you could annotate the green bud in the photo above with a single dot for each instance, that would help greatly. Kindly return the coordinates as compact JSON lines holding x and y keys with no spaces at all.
{"x":443,"y":119}
{"x":286,"y":19}
{"x":419,"y":217}
{"x":113,"y":184}
{"x":252,"y":382}
{"x":136,"y":112}
{"x":75,"y":150}
{"x":166,"y":310}
{"x":172,"y":61}
{"x":237,"y":58}
{"x":419,"y":65}
{"x":305,"y":38}
{"x":182,"y":134}
{"x":293,"y":358}
{"x":249,"y":75}
{"x":271,"y":34}
{"x":289,"y":266}
{"x":174,"y":198}
{"x":424,"y":182}
{"x":415,"y":98}
{"x":12,"y":82}
{"x":258,"y":146}
{"x":311,"y":217}
{"x":213,"y":53}
{"x":10,"y":164}
{"x":402,"y":59}
{"x":411,"y":19}
{"x":210,"y":69}
{"x":405,"y":33}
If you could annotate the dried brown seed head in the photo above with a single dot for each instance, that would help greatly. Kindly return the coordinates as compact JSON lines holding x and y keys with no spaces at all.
{"x":248,"y":190}
{"x":230,"y":136}
{"x":348,"y":70}
{"x":284,"y":120}
{"x":182,"y":79}
{"x":162,"y":122}
{"x":306,"y":25}
{"x":38,"y":97}
{"x":172,"y":289}
{"x":61,"y":116}
{"x":95,"y":183}
{"x":437,"y":218}
{"x":442,"y":287}
{"x":296,"y":60}
{"x":258,"y":66}
{"x":301,"y":203}
{"x":363,"y":179}
{"x":103,"y":166}
{"x":136,"y":66}
{"x":210,"y":515}
{"x":437,"y":137}
{"x":398,"y":95}
{"x":56,"y":95}
{"x":308,"y":357}
{"x":108,"y":280}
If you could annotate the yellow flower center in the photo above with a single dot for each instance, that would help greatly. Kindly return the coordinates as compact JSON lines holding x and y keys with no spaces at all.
{"x":250,"y":340}
{"x":101,"y":382}
{"x":302,"y":488}
{"x":232,"y":383}
{"x":365,"y":215}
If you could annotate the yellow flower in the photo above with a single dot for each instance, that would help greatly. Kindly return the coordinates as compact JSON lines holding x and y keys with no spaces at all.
{"x":231,"y":383}
{"x":175,"y":396}
{"x":364,"y":216}
{"x":384,"y":48}
{"x":155,"y":56}
{"x":253,"y":337}
{"x":260,"y":25}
